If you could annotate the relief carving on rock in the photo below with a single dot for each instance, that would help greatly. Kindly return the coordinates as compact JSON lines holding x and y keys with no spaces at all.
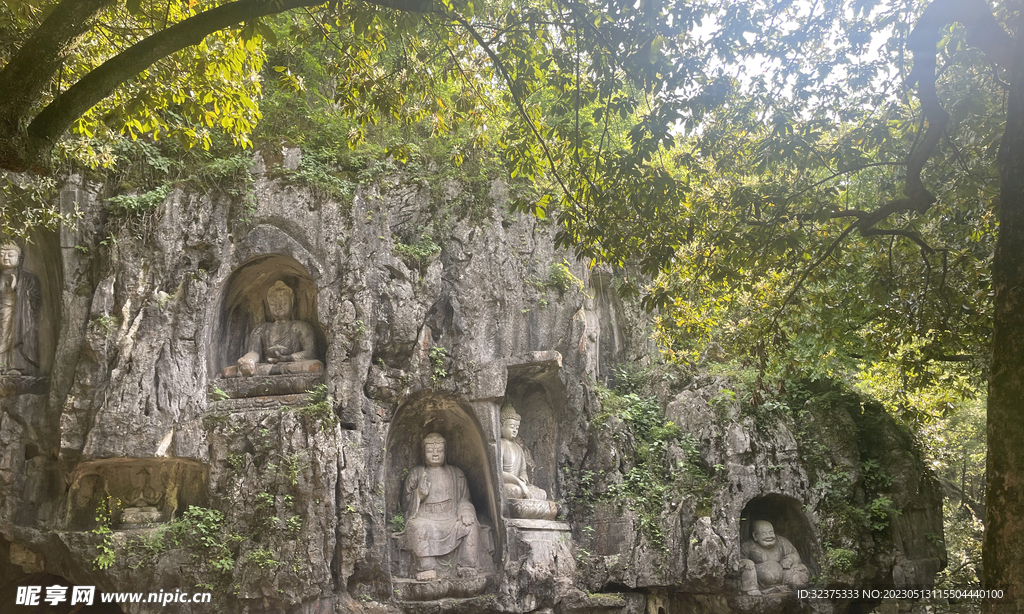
{"x":20,"y":305}
{"x":771,"y":564}
{"x":525,"y":499}
{"x":137,"y":492}
{"x":450,"y":550}
{"x":282,"y":346}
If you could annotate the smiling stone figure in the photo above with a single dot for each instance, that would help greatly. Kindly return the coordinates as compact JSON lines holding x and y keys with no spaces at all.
{"x":772,"y":563}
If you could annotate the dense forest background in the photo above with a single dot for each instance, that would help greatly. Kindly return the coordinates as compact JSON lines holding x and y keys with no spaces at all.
{"x":755,"y":170}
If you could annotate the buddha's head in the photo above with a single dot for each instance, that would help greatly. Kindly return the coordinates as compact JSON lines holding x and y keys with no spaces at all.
{"x":763,"y":534}
{"x":10,"y":255}
{"x":510,"y":420}
{"x":433,"y":450}
{"x":280,"y":300}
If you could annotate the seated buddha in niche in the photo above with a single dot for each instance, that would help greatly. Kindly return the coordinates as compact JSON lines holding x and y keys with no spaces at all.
{"x":525,"y":499}
{"x":281,"y":346}
{"x":772,"y":563}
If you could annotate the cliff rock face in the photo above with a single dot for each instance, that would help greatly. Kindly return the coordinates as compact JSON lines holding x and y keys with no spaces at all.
{"x":132,"y":464}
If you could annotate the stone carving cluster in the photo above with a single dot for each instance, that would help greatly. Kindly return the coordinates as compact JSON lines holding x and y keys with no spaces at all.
{"x":446,"y":542}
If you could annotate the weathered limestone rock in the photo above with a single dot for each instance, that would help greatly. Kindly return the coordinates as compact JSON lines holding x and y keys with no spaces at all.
{"x":283,"y":491}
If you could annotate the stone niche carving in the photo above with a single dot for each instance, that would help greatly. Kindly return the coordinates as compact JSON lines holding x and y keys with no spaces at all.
{"x":27,"y":316}
{"x":777,"y":546}
{"x":440,"y":502}
{"x":529,"y":437}
{"x":267,"y":340}
{"x":138,"y":492}
{"x":529,"y":419}
{"x":524,"y":499}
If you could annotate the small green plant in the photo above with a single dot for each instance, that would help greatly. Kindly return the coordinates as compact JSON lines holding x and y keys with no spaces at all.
{"x":236,"y":462}
{"x":438,"y":364}
{"x":148,"y":546}
{"x":398,"y":522}
{"x":262,"y":439}
{"x":219,"y":394}
{"x":202,"y":531}
{"x":263,"y":558}
{"x":879,"y":513}
{"x":320,"y":407}
{"x":560,"y":278}
{"x":264,"y":501}
{"x":319,"y":170}
{"x":131,"y":207}
{"x":294,"y":525}
{"x":417,"y":255}
{"x":107,"y":555}
{"x":106,"y":323}
{"x":840,"y":560}
{"x":293,"y":466}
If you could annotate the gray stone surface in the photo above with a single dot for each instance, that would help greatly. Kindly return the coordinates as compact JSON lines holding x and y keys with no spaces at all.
{"x":308,"y":494}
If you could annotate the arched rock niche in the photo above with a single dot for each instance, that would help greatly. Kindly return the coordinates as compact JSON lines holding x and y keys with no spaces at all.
{"x":243,"y":306}
{"x":465,"y":449}
{"x":539,"y":397}
{"x":787,"y":517}
{"x":170,"y":485}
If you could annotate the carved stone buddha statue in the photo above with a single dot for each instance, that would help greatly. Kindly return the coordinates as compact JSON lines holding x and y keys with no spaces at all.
{"x":525,"y":499}
{"x":772,"y":563}
{"x":441,"y":527}
{"x":20,"y":303}
{"x":281,"y":346}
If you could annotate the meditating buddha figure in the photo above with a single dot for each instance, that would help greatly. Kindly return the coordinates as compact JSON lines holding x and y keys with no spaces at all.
{"x":281,"y":346}
{"x":772,"y":563}
{"x":526,"y":500}
{"x":441,"y":526}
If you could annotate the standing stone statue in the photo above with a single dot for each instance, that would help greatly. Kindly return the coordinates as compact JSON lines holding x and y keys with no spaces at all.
{"x":441,"y":527}
{"x":20,"y":303}
{"x":525,"y":499}
{"x":772,"y":562}
{"x":282,"y":346}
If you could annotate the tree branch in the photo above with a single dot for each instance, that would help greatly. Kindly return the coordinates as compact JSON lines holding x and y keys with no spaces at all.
{"x":29,"y":73}
{"x":58,"y":116}
{"x":897,"y":232}
{"x":519,"y":104}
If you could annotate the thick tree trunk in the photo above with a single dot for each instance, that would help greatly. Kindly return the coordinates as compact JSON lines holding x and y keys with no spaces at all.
{"x":1004,"y":532}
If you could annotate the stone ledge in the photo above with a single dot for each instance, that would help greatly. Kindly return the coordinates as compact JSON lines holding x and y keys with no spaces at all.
{"x":538,"y":525}
{"x":14,"y":385}
{"x":263,"y":385}
{"x":254,"y":404}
